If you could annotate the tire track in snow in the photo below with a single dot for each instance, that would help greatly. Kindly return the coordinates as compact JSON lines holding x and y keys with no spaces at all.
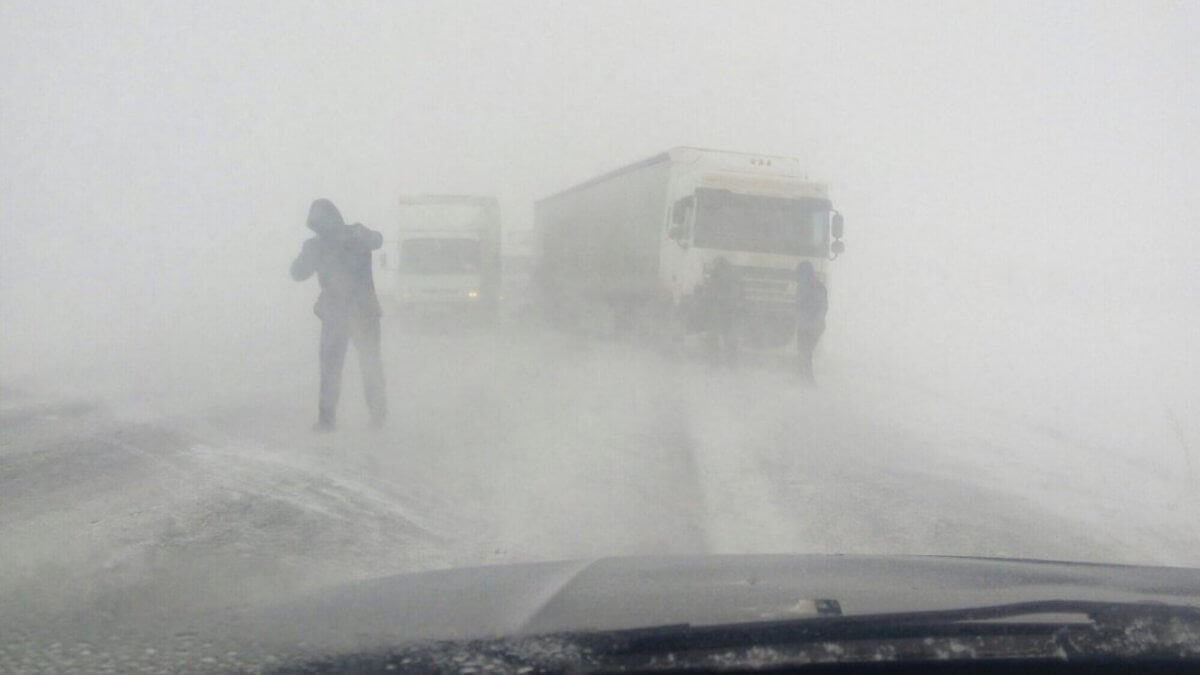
{"x":738,"y":496}
{"x":594,"y":462}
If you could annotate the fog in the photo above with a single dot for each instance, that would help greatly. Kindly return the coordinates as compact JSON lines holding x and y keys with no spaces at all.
{"x":1019,"y":285}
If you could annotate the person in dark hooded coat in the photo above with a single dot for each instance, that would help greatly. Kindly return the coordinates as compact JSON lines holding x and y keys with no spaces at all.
{"x":812,"y":303}
{"x":721,"y":299}
{"x":340,"y":256}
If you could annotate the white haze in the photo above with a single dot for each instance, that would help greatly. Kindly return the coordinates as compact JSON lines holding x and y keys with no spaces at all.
{"x":1018,"y":182}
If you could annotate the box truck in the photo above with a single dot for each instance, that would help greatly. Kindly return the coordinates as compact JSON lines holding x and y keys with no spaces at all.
{"x":442,"y":255}
{"x":629,"y":249}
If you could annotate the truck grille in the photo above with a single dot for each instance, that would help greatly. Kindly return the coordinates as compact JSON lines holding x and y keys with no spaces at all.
{"x":768,"y":287}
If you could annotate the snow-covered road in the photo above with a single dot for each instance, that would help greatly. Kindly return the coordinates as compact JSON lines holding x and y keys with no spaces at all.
{"x":513,"y":445}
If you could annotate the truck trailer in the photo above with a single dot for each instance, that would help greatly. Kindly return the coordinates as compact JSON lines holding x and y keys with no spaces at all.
{"x":442,"y":255}
{"x":629,"y":250}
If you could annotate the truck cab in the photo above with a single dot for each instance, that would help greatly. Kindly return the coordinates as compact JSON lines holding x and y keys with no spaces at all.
{"x":760,"y":213}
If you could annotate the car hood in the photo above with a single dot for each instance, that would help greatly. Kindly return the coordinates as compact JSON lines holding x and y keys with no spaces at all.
{"x":628,"y":593}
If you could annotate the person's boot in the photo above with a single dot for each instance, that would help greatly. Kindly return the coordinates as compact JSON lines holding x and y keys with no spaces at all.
{"x":325,"y":423}
{"x":805,"y":376}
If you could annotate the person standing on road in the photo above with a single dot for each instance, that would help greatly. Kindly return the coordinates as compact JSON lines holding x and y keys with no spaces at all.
{"x":340,"y":255}
{"x":812,"y":303}
{"x":721,"y":302}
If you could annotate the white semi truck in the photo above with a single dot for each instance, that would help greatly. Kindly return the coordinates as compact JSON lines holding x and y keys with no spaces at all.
{"x":443,"y":255}
{"x":629,"y":249}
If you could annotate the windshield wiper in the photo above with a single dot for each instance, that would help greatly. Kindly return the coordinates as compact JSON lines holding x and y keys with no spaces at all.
{"x":1096,"y":633}
{"x":1077,"y":628}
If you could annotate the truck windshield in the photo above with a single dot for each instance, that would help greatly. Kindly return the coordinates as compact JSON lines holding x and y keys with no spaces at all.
{"x":439,"y":256}
{"x":454,"y":216}
{"x":761,"y":224}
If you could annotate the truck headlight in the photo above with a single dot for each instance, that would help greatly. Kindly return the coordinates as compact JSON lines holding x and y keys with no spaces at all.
{"x":472,"y":294}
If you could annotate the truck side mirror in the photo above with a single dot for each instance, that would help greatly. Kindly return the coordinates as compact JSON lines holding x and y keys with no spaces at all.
{"x":679,"y":234}
{"x":681,"y":210}
{"x":838,"y":248}
{"x":838,"y":226}
{"x":680,"y":213}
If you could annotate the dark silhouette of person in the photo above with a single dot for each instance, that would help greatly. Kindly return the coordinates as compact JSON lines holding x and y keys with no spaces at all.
{"x":812,"y":304}
{"x":340,"y":255}
{"x":721,"y":303}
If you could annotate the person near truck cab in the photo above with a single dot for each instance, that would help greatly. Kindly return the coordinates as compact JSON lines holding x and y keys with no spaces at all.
{"x":340,"y":256}
{"x":812,"y":303}
{"x":721,"y":299}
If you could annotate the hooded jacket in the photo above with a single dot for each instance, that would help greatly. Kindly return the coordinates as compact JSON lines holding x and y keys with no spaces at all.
{"x":812,"y":301}
{"x":340,"y":256}
{"x":722,"y":294}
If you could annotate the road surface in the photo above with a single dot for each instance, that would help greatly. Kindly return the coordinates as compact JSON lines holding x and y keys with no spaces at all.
{"x":520,"y":444}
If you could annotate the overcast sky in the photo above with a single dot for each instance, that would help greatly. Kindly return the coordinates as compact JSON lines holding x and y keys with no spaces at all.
{"x":157,"y":153}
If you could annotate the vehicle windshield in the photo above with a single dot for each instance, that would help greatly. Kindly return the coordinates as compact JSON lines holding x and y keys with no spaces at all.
{"x":761,"y":224}
{"x":439,"y":256}
{"x":443,"y":216}
{"x":438,"y":304}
